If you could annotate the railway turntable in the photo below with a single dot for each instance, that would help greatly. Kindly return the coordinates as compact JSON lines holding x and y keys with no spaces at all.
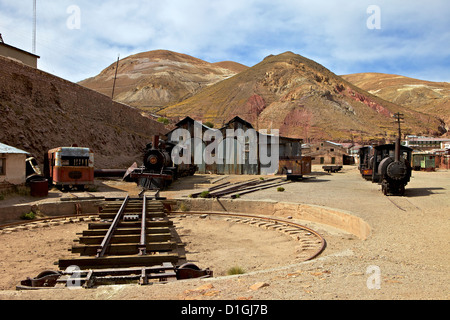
{"x":133,"y":242}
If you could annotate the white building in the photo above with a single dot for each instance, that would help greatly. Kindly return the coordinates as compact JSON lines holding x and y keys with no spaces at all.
{"x":12,"y":166}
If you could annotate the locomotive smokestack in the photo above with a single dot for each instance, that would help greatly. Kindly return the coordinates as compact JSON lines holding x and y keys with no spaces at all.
{"x":397,"y":149}
{"x":155,"y":142}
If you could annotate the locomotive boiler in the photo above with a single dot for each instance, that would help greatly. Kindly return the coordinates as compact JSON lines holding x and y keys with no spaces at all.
{"x":392,"y":167}
{"x":158,"y":170}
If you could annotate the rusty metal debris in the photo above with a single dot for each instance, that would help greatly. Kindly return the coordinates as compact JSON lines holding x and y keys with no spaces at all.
{"x":241,"y":188}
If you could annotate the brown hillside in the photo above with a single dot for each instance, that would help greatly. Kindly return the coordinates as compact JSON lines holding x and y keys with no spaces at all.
{"x":39,"y":111}
{"x":302,"y":99}
{"x":154,"y":79}
{"x":429,"y":97}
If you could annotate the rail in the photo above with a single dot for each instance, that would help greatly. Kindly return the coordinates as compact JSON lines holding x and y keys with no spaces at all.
{"x":128,"y":244}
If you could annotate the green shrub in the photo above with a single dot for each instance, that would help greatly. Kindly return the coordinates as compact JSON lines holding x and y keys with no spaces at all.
{"x":28,"y":216}
{"x":235,"y":270}
{"x":209,"y":124}
{"x":280,"y":189}
{"x":204,"y":194}
{"x":163,"y":120}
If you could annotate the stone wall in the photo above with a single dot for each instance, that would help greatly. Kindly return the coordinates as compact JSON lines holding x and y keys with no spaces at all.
{"x":39,"y":111}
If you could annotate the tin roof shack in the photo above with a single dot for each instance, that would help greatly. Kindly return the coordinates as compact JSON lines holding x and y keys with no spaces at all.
{"x":424,"y":162}
{"x":12,"y":167}
{"x":442,"y":159}
{"x":328,"y":152}
{"x":238,"y":151}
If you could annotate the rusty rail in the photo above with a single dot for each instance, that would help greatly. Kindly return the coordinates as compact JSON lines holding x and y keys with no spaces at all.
{"x":118,"y":251}
{"x":104,"y":245}
{"x":143,"y":244}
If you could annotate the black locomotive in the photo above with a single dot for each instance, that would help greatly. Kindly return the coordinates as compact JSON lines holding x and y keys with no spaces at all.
{"x":158,"y":170}
{"x":390,"y":165}
{"x":366,"y":162}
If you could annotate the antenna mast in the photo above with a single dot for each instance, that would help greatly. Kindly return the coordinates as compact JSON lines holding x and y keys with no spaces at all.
{"x":34,"y":26}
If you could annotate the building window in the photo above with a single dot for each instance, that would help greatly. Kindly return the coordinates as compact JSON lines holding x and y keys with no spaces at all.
{"x":2,"y":166}
{"x":333,"y":160}
{"x":322,"y":160}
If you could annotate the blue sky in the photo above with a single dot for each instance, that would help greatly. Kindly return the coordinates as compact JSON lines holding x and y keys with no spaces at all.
{"x":76,"y":39}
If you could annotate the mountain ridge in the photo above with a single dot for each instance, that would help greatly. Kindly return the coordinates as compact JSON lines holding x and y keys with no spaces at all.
{"x":153,"y":79}
{"x":301,"y":98}
{"x":287,"y":91}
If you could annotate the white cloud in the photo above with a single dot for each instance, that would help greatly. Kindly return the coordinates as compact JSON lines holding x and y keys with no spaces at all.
{"x":331,"y":32}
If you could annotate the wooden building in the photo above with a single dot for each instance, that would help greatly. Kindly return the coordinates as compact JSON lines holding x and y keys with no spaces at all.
{"x":17,"y":54}
{"x":328,"y":152}
{"x":239,"y":149}
{"x":12,"y":166}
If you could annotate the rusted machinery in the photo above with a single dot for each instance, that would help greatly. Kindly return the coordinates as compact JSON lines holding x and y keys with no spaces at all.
{"x":158,"y":170}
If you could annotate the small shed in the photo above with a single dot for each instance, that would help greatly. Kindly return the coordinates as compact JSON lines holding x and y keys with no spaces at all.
{"x":328,"y":152}
{"x":12,"y":166}
{"x":424,"y":161}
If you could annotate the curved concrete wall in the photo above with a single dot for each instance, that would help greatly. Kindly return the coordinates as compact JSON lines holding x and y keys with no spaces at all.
{"x":336,"y":218}
{"x":52,"y":209}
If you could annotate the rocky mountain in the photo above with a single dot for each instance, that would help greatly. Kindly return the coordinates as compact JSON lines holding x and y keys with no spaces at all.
{"x":39,"y":111}
{"x":302,"y":99}
{"x":154,"y":79}
{"x":424,"y":96}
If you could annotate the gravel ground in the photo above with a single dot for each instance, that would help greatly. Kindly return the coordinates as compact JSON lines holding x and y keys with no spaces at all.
{"x":406,"y":257}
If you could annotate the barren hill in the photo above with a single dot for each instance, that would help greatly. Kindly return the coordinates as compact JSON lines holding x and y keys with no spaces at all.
{"x":302,"y":99}
{"x":154,"y":79}
{"x":39,"y":111}
{"x":429,"y":97}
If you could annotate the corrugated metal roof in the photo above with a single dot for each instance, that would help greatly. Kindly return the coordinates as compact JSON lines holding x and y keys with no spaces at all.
{"x":8,"y":149}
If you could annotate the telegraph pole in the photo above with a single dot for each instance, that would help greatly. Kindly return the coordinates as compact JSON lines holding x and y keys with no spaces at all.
{"x":399,"y":117}
{"x":115,"y":77}
{"x":34,"y":27}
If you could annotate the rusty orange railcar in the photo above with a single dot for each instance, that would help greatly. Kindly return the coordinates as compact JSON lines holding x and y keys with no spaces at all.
{"x":69,"y":167}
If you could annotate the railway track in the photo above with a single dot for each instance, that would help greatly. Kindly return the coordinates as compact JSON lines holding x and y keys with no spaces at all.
{"x":312,"y":243}
{"x":403,"y":204}
{"x":134,"y":241}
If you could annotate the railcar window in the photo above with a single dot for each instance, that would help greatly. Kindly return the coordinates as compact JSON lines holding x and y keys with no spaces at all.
{"x":74,"y":162}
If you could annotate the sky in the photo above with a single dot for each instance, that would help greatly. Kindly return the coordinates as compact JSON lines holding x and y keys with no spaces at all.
{"x":77,"y":39}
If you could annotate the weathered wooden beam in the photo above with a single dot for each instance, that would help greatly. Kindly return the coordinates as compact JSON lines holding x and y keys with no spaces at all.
{"x":125,"y":248}
{"x":126,"y":239}
{"x":124,"y":232}
{"x":118,"y":262}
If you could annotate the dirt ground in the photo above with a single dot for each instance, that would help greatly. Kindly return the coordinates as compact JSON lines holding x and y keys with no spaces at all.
{"x":406,"y":257}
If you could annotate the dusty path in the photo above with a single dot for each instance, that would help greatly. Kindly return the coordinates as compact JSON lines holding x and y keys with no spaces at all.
{"x":407,"y":251}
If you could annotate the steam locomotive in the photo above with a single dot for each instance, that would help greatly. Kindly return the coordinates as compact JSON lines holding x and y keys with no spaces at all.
{"x":388,"y":165}
{"x":158,"y":170}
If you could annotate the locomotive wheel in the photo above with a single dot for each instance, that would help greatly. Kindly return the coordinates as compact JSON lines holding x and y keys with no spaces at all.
{"x":384,"y":188}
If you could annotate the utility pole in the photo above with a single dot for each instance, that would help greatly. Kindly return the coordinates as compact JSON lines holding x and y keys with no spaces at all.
{"x":115,"y":77}
{"x":399,"y":118}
